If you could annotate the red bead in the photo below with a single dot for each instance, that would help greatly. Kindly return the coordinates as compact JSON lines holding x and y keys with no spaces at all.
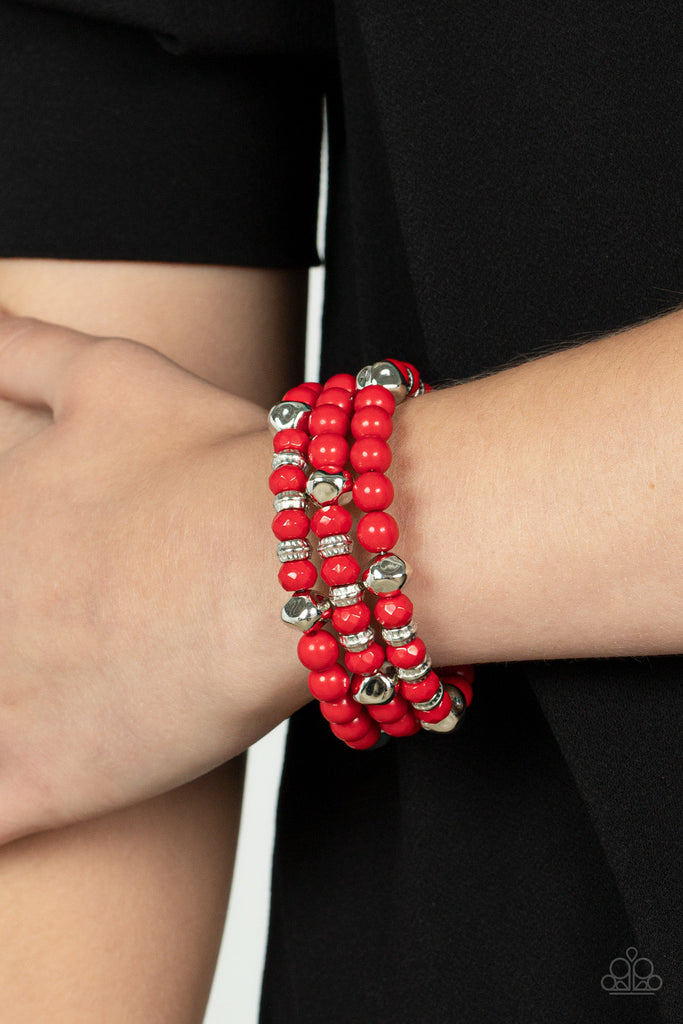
{"x":299,"y":575}
{"x":463,"y":685}
{"x":371,"y":422}
{"x":425,"y":689}
{"x":436,"y":714}
{"x":377,"y":531}
{"x":328,"y":419}
{"x":314,"y":386}
{"x":352,"y":619}
{"x":291,"y":441}
{"x":375,"y":394}
{"x":389,"y":712}
{"x":407,"y":370}
{"x":394,"y":611}
{"x":291,"y":524}
{"x":340,"y":571}
{"x":331,"y":519}
{"x":372,"y":735}
{"x":345,"y":709}
{"x":342,"y":380}
{"x":365,"y":662}
{"x":329,"y":452}
{"x":318,"y":651}
{"x":354,"y":730}
{"x":461,"y":676}
{"x":302,"y":393}
{"x":408,"y":655}
{"x":465,"y":672}
{"x":337,"y":396}
{"x":329,"y":685}
{"x":405,"y":726}
{"x":287,"y":478}
{"x":370,"y":454}
{"x":372,"y":492}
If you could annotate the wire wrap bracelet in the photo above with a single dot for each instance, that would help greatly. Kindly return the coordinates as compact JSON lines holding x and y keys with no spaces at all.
{"x":387,"y":684}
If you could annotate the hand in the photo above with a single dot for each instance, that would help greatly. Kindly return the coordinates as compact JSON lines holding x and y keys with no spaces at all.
{"x":137,"y":573}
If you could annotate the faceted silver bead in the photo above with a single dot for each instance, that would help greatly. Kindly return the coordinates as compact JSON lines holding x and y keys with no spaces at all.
{"x":450,"y":722}
{"x":417,"y":672}
{"x":287,"y":416}
{"x":289,"y":499}
{"x":305,"y":609}
{"x":457,"y":699}
{"x":327,"y":487}
{"x":385,"y":574}
{"x":387,"y":376}
{"x":335,"y":544}
{"x":400,"y":635}
{"x":357,"y":641}
{"x":293,"y":550}
{"x":342,"y":597}
{"x":289,"y":459}
{"x":377,"y":688}
{"x":429,"y":705}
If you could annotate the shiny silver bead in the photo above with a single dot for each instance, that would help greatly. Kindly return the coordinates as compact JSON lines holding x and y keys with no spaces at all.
{"x":357,"y":641}
{"x":335,"y":544}
{"x":400,"y":635}
{"x":289,"y":459}
{"x":293,"y":550}
{"x":289,"y":499}
{"x":429,"y":705}
{"x":450,"y":722}
{"x":417,"y":672}
{"x":342,"y":597}
{"x":364,"y":377}
{"x":385,"y":575}
{"x":287,"y":416}
{"x":377,"y":688}
{"x":328,"y":487}
{"x":387,"y":376}
{"x":305,"y":610}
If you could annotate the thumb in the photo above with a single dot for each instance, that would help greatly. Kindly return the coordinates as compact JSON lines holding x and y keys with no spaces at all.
{"x":34,"y":357}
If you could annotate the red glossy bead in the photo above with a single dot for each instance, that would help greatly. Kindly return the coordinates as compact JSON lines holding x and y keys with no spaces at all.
{"x":463,"y":685}
{"x":389,"y":712}
{"x":371,"y":454}
{"x":461,"y":676}
{"x":408,"y":655}
{"x":436,"y":714}
{"x":352,"y":619}
{"x":377,"y":531}
{"x":342,"y":380}
{"x":376,"y":395}
{"x":337,"y":396}
{"x":424,"y":690}
{"x":329,"y":685}
{"x":394,"y":611}
{"x":464,"y":671}
{"x":301,"y":393}
{"x":405,"y":726}
{"x":291,"y":524}
{"x":291,"y":441}
{"x":314,"y":385}
{"x":371,"y":422}
{"x":331,"y":519}
{"x":329,"y":452}
{"x":287,"y":478}
{"x":340,"y":570}
{"x":328,"y":419}
{"x":368,"y":740}
{"x":318,"y":651}
{"x":354,"y":730}
{"x":345,"y":709}
{"x":299,"y":575}
{"x":365,"y":662}
{"x":372,"y":492}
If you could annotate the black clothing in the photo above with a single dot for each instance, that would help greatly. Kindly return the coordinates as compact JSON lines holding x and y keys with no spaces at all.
{"x":502,"y":179}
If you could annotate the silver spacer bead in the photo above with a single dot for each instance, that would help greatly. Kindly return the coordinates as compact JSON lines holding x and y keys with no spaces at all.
{"x":364,"y":377}
{"x":429,"y":705}
{"x":417,"y":672}
{"x":357,"y":641}
{"x":305,"y":610}
{"x":328,"y":487}
{"x":287,"y":416}
{"x":289,"y":499}
{"x":387,"y":376}
{"x":342,"y":597}
{"x":450,"y":722}
{"x":289,"y":459}
{"x":377,"y":688}
{"x":400,"y":635}
{"x":385,"y":574}
{"x":421,"y":389}
{"x":293,"y":550}
{"x":335,"y":544}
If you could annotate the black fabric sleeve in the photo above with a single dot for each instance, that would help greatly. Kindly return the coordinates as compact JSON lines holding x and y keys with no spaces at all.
{"x":111,"y":147}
